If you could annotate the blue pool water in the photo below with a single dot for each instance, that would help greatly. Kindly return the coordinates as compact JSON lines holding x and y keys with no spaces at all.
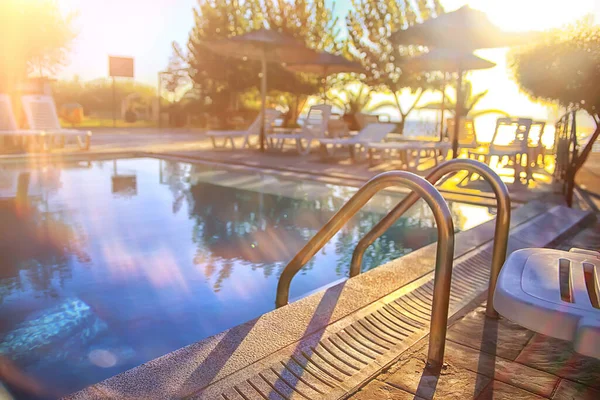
{"x":108,"y":264}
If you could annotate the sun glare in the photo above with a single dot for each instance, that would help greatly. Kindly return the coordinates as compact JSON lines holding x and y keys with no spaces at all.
{"x":534,"y":15}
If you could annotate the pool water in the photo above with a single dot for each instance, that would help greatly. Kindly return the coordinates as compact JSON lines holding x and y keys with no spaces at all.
{"x":108,"y":264}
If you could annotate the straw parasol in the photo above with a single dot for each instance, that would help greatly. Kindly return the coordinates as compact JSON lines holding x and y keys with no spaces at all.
{"x":324,"y":65}
{"x":264,"y":45}
{"x":447,"y":60}
{"x":466,"y":29}
{"x":463,"y":30}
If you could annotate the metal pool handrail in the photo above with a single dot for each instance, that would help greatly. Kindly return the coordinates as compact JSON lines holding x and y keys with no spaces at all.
{"x":500,"y":233}
{"x":444,"y":255}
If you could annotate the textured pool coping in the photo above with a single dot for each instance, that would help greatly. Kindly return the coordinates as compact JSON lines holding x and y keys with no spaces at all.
{"x":207,"y":368}
{"x":481,"y":198}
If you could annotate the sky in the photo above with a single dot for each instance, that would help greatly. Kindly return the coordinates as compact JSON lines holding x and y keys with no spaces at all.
{"x":145,"y":29}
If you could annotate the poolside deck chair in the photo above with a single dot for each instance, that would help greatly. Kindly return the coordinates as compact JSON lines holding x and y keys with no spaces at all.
{"x":537,"y":150}
{"x":315,"y":127}
{"x":555,"y":293}
{"x":9,"y":130}
{"x":467,"y":137}
{"x":372,"y":133}
{"x":41,"y":114}
{"x":509,"y":144}
{"x":253,"y":130}
{"x":410,"y":151}
{"x":363,"y":120}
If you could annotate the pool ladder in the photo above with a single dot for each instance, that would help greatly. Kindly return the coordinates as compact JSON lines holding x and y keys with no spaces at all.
{"x":422,"y":188}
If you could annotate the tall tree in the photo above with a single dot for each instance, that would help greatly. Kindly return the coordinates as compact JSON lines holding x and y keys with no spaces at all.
{"x":370,"y":24}
{"x":224,"y":79}
{"x":35,"y":37}
{"x":565,"y":67}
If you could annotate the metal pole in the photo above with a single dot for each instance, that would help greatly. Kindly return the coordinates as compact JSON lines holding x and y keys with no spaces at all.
{"x":500,"y":232}
{"x":324,"y":86}
{"x":443,"y":107}
{"x":263,"y":92}
{"x":114,"y":98}
{"x":457,"y":112}
{"x":159,"y":105}
{"x":444,"y":255}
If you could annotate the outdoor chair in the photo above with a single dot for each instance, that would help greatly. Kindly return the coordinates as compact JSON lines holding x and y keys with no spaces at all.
{"x":555,"y":293}
{"x":410,"y":151}
{"x":372,"y":133}
{"x":41,"y":114}
{"x":253,"y":130}
{"x":11,"y":134}
{"x":363,"y":120}
{"x":467,"y":136}
{"x":536,"y":150}
{"x":337,"y":127}
{"x":509,"y":144}
{"x":314,"y":128}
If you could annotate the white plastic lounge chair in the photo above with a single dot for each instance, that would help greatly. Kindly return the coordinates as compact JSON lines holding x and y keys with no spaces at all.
{"x":410,"y":151}
{"x":509,"y":143}
{"x":371,"y":134}
{"x":253,"y":130}
{"x":9,"y":130}
{"x":314,"y":128}
{"x":41,"y":114}
{"x":467,"y":137}
{"x":537,"y":151}
{"x":362,"y":119}
{"x":555,"y":293}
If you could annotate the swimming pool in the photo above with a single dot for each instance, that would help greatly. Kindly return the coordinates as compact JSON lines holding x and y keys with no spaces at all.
{"x":108,"y":264}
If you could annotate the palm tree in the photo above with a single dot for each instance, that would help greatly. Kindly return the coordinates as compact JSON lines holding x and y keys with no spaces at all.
{"x":356,"y":99}
{"x":470,"y":101}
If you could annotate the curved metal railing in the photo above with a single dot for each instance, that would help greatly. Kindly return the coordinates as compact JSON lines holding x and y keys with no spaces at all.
{"x":500,"y":233}
{"x":444,"y":255}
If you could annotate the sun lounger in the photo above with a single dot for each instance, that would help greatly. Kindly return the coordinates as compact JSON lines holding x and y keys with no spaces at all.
{"x":409,"y":151}
{"x":555,"y":293}
{"x":253,"y":130}
{"x":9,"y":130}
{"x":314,"y":128}
{"x":371,"y":134}
{"x":41,"y":114}
{"x":509,"y":144}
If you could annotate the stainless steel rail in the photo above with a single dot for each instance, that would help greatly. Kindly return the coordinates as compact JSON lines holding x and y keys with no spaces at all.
{"x":500,"y":233}
{"x":444,"y":255}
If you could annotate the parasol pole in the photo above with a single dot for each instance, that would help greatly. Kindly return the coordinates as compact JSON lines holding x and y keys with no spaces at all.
{"x":457,"y":113}
{"x":443,"y":106}
{"x":324,"y":82}
{"x":263,"y":95}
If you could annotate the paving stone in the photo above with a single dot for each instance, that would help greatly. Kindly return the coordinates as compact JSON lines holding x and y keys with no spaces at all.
{"x":450,"y":383}
{"x":501,"y":337}
{"x":568,"y":390}
{"x":557,"y":357}
{"x":382,"y":391}
{"x":501,"y":391}
{"x":501,"y":369}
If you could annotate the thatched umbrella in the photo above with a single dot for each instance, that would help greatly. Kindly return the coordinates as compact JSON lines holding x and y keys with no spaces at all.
{"x":265,"y":46}
{"x":448,"y":60}
{"x":463,"y":30}
{"x":324,"y":65}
